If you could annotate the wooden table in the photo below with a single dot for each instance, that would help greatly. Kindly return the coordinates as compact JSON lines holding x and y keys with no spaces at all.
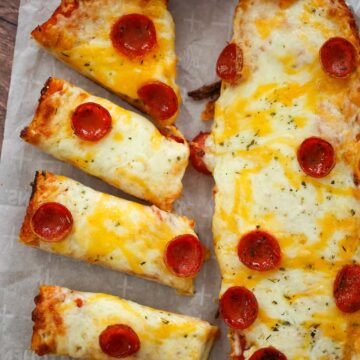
{"x":8,"y":25}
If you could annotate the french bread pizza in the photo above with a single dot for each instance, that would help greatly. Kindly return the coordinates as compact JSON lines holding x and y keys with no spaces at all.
{"x":103,"y":327}
{"x":127,"y":46}
{"x":67,"y":218}
{"x":284,"y":151}
{"x":118,"y":146}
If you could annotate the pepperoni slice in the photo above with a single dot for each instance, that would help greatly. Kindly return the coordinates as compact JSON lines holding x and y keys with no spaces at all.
{"x":52,"y":222}
{"x":119,"y":341}
{"x":230,"y":63}
{"x":170,"y":135}
{"x":258,"y":250}
{"x":238,"y":307}
{"x":347,"y":289}
{"x":268,"y":353}
{"x":134,"y":35}
{"x":338,"y":57}
{"x":184,"y":255}
{"x":316,"y":157}
{"x":197,"y":153}
{"x":159,"y":99}
{"x":91,"y":121}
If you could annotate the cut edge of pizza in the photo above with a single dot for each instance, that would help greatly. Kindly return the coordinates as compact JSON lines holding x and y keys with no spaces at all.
{"x":116,"y":145}
{"x":100,"y":326}
{"x":284,"y":152}
{"x":67,"y":218}
{"x":126,"y":46}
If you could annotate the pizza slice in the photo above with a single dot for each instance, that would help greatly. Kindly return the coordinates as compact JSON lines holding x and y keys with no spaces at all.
{"x":118,"y":146}
{"x":67,"y":218}
{"x":127,"y":46}
{"x":101,"y":327}
{"x":286,"y":165}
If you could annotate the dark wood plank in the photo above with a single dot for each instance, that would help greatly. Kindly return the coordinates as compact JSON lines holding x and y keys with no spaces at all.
{"x":8,"y":25}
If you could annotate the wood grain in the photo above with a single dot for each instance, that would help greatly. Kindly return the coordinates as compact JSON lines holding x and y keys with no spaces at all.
{"x":8,"y":26}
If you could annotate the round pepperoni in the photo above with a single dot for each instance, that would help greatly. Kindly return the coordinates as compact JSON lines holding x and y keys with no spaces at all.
{"x":316,"y":157}
{"x":197,"y":153}
{"x":347,"y":289}
{"x":268,"y":353}
{"x":91,"y":121}
{"x":184,"y":255}
{"x":52,"y":222}
{"x":338,"y":57}
{"x":159,"y":99}
{"x":258,"y":250}
{"x":134,"y":35}
{"x":119,"y":341}
{"x":238,"y":307}
{"x":230,"y":63}
{"x":170,"y":135}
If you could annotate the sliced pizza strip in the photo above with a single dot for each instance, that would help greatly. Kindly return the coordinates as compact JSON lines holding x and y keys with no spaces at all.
{"x":103,"y":327}
{"x":118,"y":146}
{"x":127,"y":46}
{"x":68,"y":218}
{"x":287,"y":215}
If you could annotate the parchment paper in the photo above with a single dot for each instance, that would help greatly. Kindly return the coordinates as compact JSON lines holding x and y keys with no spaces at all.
{"x":203,"y":27}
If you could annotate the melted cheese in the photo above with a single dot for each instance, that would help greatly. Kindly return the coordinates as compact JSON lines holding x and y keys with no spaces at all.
{"x":109,"y":231}
{"x":162,"y":335}
{"x":82,"y":40}
{"x":133,"y":157}
{"x":284,"y":98}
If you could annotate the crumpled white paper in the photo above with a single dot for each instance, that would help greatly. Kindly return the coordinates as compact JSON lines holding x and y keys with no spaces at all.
{"x":203,"y":27}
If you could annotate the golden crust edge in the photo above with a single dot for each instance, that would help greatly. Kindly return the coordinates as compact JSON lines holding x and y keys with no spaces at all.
{"x":26,"y":235}
{"x":43,"y":113}
{"x":46,"y":320}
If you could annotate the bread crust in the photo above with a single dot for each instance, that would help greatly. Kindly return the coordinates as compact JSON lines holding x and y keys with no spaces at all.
{"x":44,"y":112}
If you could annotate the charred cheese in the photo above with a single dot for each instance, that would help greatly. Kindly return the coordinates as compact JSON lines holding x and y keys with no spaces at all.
{"x":284,"y":97}
{"x":109,"y":231}
{"x":68,"y":322}
{"x":134,"y":156}
{"x":78,"y":33}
